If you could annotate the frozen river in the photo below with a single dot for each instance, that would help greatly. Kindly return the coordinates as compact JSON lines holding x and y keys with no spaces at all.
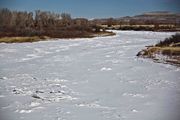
{"x":87,"y":79}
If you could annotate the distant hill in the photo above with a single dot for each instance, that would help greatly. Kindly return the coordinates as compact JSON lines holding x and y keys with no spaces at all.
{"x":157,"y":13}
{"x":155,"y":21}
{"x":164,"y":17}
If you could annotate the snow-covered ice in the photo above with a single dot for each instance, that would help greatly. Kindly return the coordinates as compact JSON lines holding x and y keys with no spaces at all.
{"x":88,"y":79}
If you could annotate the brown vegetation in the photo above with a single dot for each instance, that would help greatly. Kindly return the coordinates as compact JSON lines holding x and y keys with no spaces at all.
{"x":43,"y":23}
{"x":169,"y":49}
{"x":174,"y":40}
{"x":22,"y":39}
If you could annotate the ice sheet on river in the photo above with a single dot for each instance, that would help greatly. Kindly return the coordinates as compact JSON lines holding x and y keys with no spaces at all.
{"x":87,"y":79}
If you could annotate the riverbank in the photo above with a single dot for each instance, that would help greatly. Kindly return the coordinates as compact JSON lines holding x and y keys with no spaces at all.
{"x":167,"y":51}
{"x":21,"y":39}
{"x":162,"y":54}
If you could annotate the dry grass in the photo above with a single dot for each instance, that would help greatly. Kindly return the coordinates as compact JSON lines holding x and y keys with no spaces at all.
{"x":40,"y":38}
{"x":170,"y":48}
{"x":150,"y":51}
{"x":172,"y":54}
{"x":22,"y":39}
{"x":164,"y":50}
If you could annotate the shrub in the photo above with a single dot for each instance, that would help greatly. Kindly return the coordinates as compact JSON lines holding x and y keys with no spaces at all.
{"x":168,"y":41}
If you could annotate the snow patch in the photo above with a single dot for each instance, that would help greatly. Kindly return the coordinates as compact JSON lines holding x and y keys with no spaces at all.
{"x":134,"y":95}
{"x":9,"y":50}
{"x":30,"y":57}
{"x":1,"y":96}
{"x":106,"y":69}
{"x":92,"y":105}
{"x":108,"y":56}
{"x":4,"y":78}
{"x":132,"y":81}
{"x":58,"y":80}
{"x":34,"y":104}
{"x":25,"y":111}
{"x":134,"y":110}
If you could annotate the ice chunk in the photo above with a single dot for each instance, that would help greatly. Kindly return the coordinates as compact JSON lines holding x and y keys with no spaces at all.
{"x":25,"y":111}
{"x":106,"y":69}
{"x":34,"y":104}
{"x":134,"y":110}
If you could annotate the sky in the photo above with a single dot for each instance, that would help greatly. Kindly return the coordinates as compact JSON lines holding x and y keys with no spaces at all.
{"x":94,"y":8}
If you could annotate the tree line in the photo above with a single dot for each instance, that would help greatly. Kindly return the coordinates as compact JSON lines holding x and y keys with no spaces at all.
{"x":23,"y":23}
